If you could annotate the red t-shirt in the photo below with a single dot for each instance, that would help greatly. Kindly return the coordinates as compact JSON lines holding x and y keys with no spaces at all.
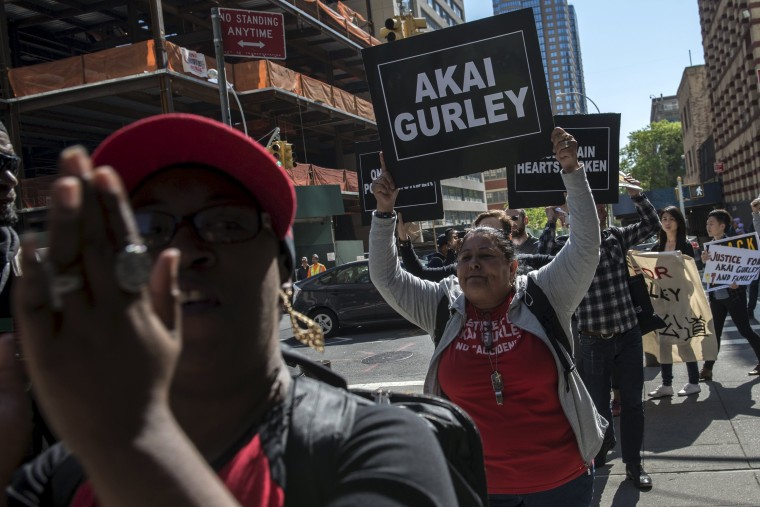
{"x":528,"y":444}
{"x":247,"y":476}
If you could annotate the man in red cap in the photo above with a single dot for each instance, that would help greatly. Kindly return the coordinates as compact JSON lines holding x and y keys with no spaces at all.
{"x":152,"y":338}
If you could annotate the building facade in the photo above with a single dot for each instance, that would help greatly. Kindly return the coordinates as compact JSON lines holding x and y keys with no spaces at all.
{"x":696,"y":120}
{"x":731,"y":41}
{"x":664,"y":108}
{"x":558,"y":36}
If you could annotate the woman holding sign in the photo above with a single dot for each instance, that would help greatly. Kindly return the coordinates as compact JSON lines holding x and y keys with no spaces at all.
{"x":731,"y":301}
{"x":672,"y":237}
{"x":538,"y":423}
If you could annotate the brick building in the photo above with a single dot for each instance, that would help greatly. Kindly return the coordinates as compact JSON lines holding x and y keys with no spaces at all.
{"x":731,"y":40}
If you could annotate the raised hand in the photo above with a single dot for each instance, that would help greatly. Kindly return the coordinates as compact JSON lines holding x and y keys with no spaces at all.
{"x":99,"y":328}
{"x":384,"y":189}
{"x":565,"y":149}
{"x":633,"y":181}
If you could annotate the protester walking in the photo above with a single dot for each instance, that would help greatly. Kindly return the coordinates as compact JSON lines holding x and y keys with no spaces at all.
{"x":672,"y":237}
{"x":539,"y":427}
{"x":753,"y":287}
{"x":727,"y":301}
{"x":610,"y":336}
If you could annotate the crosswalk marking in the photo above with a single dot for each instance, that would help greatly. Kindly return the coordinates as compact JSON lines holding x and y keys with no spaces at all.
{"x":377,"y":385}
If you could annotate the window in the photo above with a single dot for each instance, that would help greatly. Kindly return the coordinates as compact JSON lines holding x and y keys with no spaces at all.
{"x":353,"y":274}
{"x":495,"y":174}
{"x":496,"y":196}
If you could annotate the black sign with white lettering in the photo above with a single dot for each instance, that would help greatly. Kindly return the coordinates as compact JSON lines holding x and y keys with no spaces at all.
{"x":420,"y":201}
{"x":537,"y":181}
{"x":460,"y":100}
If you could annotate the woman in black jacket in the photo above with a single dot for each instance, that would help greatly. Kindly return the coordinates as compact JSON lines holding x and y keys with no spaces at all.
{"x":672,"y":237}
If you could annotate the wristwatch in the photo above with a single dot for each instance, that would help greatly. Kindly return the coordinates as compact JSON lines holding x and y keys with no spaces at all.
{"x":384,"y":214}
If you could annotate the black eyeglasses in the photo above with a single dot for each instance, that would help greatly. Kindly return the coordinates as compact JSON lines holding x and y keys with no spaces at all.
{"x":515,"y":217}
{"x":220,"y":224}
{"x":9,"y":163}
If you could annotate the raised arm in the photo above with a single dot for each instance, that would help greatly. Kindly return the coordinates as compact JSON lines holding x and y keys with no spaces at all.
{"x":415,"y":299}
{"x":412,"y":263}
{"x":649,"y":224}
{"x":566,"y":279}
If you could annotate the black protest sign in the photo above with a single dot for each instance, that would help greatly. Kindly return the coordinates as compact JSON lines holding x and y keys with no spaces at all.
{"x":420,"y":201}
{"x":536,"y":181}
{"x":460,"y":100}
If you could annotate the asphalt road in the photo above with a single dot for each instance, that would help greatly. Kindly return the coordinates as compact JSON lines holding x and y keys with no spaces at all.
{"x":393,"y":357}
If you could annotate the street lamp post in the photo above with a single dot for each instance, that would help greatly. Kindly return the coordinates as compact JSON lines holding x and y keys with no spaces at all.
{"x":559,"y":94}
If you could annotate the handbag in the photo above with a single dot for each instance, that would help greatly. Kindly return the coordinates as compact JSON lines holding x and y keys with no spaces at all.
{"x":648,"y":320}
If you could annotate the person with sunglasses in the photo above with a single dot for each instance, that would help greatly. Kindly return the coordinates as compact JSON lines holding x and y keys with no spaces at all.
{"x":524,"y":242}
{"x":151,"y":331}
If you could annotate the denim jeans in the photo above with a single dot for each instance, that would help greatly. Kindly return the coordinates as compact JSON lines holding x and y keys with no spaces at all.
{"x":734,"y":307}
{"x":625,"y":352}
{"x":576,"y":493}
{"x":691,"y":368}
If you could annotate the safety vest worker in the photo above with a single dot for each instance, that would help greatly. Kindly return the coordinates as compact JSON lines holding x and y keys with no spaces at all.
{"x":316,"y":268}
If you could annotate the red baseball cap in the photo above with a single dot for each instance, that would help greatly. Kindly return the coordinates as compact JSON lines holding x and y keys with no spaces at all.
{"x":146,"y":146}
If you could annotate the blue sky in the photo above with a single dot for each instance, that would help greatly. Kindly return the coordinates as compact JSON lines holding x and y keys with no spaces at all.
{"x":630,"y":50}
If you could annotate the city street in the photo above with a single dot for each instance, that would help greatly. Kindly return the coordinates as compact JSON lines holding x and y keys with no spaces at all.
{"x":701,"y":450}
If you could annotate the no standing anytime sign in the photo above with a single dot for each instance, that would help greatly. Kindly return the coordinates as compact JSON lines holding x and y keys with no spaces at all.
{"x":253,"y":34}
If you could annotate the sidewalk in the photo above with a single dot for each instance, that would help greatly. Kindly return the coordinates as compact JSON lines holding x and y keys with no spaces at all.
{"x":701,"y":450}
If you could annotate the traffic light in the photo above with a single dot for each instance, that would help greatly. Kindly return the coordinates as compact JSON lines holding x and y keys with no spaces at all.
{"x":276,"y":150}
{"x":287,"y":155}
{"x":412,"y":25}
{"x":394,"y":29}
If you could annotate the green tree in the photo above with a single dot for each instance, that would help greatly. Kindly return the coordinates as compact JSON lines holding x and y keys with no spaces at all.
{"x":537,"y":221}
{"x":653,"y":155}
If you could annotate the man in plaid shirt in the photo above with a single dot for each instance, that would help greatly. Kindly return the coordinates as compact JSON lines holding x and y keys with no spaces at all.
{"x":610,"y":334}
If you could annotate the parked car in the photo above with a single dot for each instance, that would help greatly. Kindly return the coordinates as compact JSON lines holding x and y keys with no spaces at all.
{"x":342,"y":296}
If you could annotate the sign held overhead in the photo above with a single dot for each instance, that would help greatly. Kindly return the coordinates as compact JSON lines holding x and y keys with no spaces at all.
{"x":422,"y":201}
{"x":460,"y":100}
{"x":537,"y":181}
{"x":253,"y":34}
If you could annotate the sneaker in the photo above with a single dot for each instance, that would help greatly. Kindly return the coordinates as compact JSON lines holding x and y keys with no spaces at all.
{"x":756,"y":371}
{"x":705,"y":374}
{"x":689,"y":389}
{"x":661,"y":392}
{"x":615,"y":408}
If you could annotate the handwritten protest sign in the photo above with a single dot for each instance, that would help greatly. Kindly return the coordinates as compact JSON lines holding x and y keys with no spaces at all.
{"x":677,"y":297}
{"x":416,"y":202}
{"x":537,"y":182}
{"x":466,"y":98}
{"x":734,"y":260}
